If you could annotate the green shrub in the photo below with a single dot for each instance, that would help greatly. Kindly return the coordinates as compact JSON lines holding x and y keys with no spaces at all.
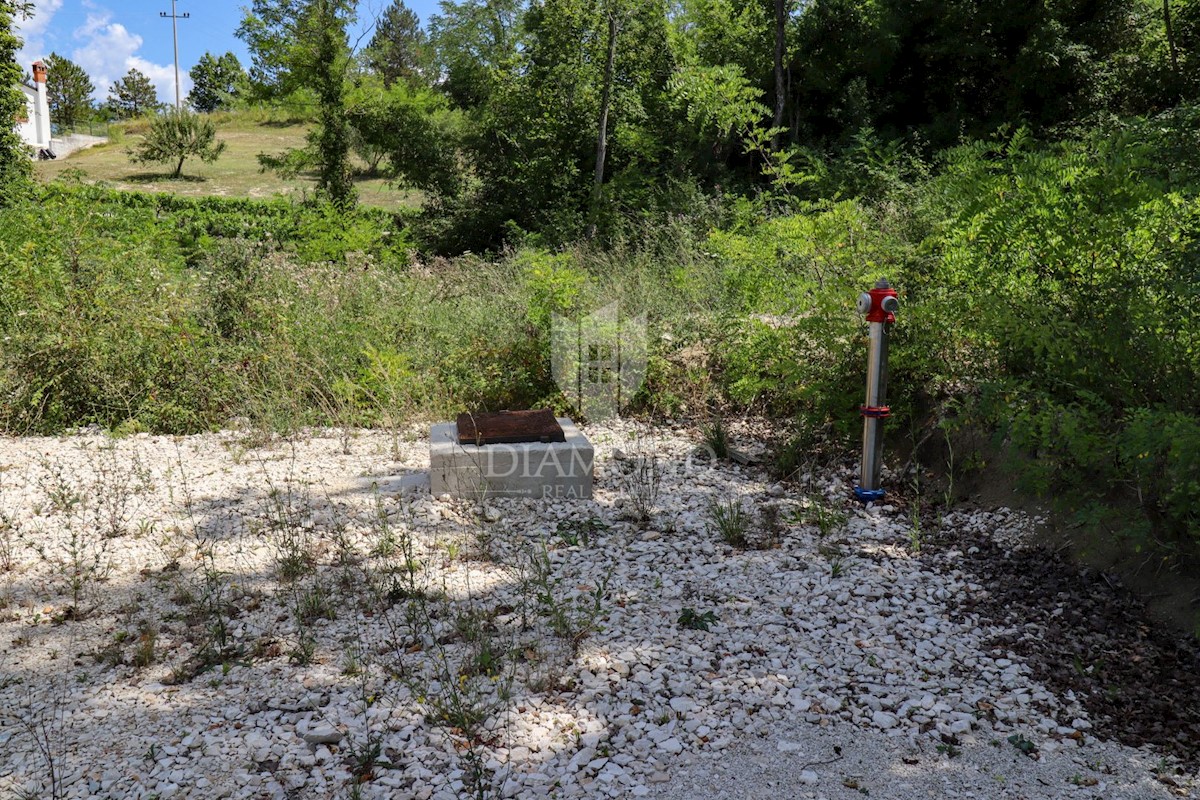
{"x":174,"y":136}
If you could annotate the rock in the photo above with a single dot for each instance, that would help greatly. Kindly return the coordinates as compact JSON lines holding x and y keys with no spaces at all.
{"x":672,"y":746}
{"x":884,"y":720}
{"x":323,"y":734}
{"x":682,"y":705}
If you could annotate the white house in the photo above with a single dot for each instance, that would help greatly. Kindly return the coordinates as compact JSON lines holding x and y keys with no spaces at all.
{"x":34,"y":127}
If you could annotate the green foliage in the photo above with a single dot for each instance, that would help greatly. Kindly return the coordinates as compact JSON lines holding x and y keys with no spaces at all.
{"x":533,"y":144}
{"x":555,"y":284}
{"x":473,"y":42}
{"x":68,"y":90}
{"x":692,"y":620}
{"x":132,"y":95}
{"x":217,"y":83}
{"x":411,"y":131}
{"x":1019,"y":741}
{"x":716,"y":438}
{"x":399,"y":49}
{"x":176,"y":135}
{"x":717,"y":100}
{"x":151,"y":310}
{"x":1075,"y":263}
{"x":14,"y":158}
{"x":299,"y":45}
{"x":730,"y":521}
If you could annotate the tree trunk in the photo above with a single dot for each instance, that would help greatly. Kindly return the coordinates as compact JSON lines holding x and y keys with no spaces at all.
{"x":1170,"y":29}
{"x":179,"y":167}
{"x":333,"y":137}
{"x":780,"y":86}
{"x":602,"y":135}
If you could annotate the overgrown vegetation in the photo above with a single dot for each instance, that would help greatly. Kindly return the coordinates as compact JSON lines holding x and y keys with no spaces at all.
{"x":1036,"y":205}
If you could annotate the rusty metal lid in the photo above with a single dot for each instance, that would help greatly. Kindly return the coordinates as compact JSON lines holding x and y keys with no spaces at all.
{"x":509,"y":427}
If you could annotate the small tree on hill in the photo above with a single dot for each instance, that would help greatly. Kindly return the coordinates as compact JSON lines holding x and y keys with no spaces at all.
{"x":174,"y":136}
{"x":133,"y":95}
{"x":68,"y":90}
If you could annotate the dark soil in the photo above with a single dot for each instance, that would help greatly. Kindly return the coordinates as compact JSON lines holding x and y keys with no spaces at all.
{"x":1081,"y":630}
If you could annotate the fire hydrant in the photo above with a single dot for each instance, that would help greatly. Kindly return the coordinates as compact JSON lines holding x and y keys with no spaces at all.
{"x":880,"y":306}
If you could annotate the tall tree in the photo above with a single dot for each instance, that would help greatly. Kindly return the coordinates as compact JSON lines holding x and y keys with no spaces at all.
{"x":1169,"y":30}
{"x":399,"y":48}
{"x":14,"y":160}
{"x":536,"y":143}
{"x":298,"y":44}
{"x":473,"y":42}
{"x":68,"y":90}
{"x":614,"y":28}
{"x":133,"y":95}
{"x":216,"y":82}
{"x":781,"y":18}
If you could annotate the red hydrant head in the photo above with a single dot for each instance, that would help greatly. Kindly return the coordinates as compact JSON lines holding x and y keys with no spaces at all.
{"x":880,"y":304}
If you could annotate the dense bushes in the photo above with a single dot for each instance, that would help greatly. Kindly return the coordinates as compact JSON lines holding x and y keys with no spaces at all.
{"x":1071,"y":270}
{"x":1048,"y":294}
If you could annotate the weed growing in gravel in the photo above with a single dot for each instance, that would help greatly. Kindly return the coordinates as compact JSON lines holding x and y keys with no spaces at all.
{"x":572,"y":617}
{"x":1019,"y":741}
{"x":311,"y":601}
{"x":730,"y":521}
{"x":285,"y":510}
{"x":143,"y":655}
{"x":209,"y":595}
{"x":43,"y":723}
{"x":352,"y":661}
{"x":364,"y":754}
{"x":914,"y":530}
{"x":716,"y":438}
{"x":449,"y":654}
{"x":574,"y":532}
{"x":770,"y":527}
{"x":642,"y":483}
{"x":949,"y":750}
{"x":10,"y":534}
{"x":396,"y":548}
{"x":117,"y":478}
{"x":80,"y":557}
{"x":691,"y":620}
{"x":825,"y":518}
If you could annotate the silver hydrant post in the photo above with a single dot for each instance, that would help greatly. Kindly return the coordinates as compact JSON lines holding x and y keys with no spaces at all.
{"x":880,"y":306}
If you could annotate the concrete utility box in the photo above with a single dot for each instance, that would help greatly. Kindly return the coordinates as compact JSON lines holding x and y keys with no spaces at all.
{"x":542,"y":470}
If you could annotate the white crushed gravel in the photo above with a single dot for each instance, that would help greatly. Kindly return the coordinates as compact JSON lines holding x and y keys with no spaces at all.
{"x":842,"y":640}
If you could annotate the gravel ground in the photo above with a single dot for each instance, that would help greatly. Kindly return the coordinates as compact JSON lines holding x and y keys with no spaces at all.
{"x":211,"y":616}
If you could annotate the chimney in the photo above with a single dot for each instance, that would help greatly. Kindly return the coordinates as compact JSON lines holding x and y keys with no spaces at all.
{"x":42,"y":111}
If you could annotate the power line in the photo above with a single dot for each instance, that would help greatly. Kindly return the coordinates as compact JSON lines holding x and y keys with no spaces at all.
{"x":175,"y":35}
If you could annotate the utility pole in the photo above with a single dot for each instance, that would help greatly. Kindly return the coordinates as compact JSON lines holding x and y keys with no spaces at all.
{"x":175,"y":35}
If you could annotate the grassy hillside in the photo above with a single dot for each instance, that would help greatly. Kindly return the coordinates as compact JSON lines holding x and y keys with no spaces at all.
{"x":235,"y":174}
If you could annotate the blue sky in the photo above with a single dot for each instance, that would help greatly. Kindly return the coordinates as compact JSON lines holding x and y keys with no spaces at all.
{"x":108,"y":37}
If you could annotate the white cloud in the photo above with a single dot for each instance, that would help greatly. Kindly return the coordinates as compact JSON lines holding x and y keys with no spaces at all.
{"x":109,"y":50}
{"x":33,"y":32}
